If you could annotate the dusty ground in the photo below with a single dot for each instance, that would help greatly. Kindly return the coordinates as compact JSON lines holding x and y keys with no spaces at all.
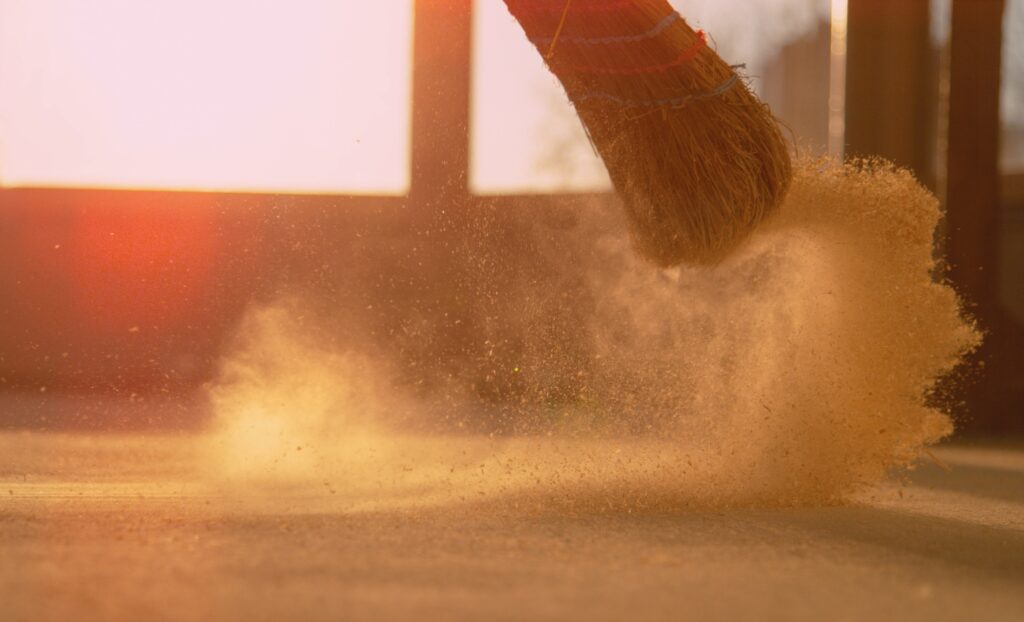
{"x":115,"y":528}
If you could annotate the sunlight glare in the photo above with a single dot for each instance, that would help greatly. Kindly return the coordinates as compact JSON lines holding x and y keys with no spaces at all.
{"x":307,"y":96}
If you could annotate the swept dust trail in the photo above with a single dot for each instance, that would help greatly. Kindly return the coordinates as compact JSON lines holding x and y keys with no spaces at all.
{"x":797,"y":371}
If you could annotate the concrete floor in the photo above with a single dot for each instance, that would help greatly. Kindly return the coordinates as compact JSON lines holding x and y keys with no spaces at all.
{"x":111,"y":528}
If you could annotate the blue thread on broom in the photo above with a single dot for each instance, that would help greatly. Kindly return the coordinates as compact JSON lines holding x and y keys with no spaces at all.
{"x":650,"y":34}
{"x":687,"y":55}
{"x":670,"y":102}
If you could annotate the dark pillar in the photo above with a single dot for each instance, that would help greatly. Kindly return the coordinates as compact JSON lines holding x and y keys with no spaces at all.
{"x":440,"y":108}
{"x":891,"y":82}
{"x":973,"y":199}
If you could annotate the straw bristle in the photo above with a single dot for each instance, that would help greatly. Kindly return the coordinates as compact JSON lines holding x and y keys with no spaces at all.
{"x":698,"y":160}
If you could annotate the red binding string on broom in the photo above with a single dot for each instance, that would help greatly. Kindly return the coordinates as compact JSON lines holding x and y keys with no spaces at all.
{"x":651,"y":33}
{"x":686,"y":56}
{"x":547,"y":7}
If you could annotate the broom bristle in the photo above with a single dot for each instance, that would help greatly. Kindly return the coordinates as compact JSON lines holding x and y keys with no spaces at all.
{"x":697,"y":159}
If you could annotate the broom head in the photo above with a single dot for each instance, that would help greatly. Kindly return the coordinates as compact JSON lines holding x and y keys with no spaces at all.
{"x":697,"y":159}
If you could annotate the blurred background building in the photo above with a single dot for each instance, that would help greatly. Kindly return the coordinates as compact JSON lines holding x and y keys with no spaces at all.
{"x":161,"y":170}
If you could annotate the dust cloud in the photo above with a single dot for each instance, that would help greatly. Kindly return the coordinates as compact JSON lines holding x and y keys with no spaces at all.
{"x":798,"y":371}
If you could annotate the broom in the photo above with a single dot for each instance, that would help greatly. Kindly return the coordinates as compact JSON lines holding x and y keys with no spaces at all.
{"x":698,"y":160}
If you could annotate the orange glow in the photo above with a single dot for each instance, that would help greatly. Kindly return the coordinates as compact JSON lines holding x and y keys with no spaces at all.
{"x":308,"y":96}
{"x":138,"y":270}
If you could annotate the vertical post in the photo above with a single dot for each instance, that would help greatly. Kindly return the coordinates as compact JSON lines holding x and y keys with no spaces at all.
{"x":435,"y":263}
{"x":442,"y":43}
{"x":973,"y":175}
{"x":891,"y":68}
{"x":838,"y":14}
{"x":972,"y":186}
